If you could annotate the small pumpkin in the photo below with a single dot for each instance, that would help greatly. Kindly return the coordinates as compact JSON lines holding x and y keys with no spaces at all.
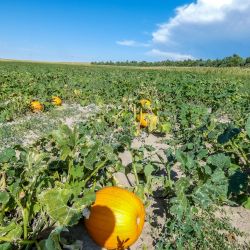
{"x":116,"y":218}
{"x":57,"y":101}
{"x":36,"y":106}
{"x":147,"y":119}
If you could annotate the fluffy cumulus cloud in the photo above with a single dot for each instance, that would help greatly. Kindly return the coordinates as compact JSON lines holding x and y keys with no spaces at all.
{"x":205,"y":28}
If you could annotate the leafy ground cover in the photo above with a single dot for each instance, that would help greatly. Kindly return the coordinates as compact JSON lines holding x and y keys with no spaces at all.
{"x":201,"y":166}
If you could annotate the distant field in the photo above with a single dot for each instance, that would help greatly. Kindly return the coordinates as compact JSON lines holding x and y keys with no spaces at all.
{"x":23,"y":81}
{"x":30,"y":61}
{"x":187,"y":165}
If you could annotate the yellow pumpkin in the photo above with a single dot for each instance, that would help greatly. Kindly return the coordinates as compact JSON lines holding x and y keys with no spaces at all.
{"x":146,"y":119}
{"x":145,"y":103}
{"x":116,"y":218}
{"x":36,"y":106}
{"x":56,"y":100}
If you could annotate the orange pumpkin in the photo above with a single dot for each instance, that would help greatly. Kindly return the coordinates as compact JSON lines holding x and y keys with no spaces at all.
{"x":36,"y":106}
{"x":116,"y":218}
{"x":146,"y":119}
{"x":57,"y":101}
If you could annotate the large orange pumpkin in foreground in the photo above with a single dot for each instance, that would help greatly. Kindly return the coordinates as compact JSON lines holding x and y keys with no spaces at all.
{"x":116,"y":218}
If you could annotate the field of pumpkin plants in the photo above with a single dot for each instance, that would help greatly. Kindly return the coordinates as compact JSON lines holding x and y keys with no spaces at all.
{"x":70,"y":175}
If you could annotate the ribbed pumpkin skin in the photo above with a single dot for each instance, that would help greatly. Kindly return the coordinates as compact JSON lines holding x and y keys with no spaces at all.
{"x":116,"y":218}
{"x":56,"y":100}
{"x":36,"y":106}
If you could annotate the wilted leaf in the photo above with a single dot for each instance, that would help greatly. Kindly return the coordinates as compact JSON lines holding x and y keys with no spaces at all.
{"x":153,"y":121}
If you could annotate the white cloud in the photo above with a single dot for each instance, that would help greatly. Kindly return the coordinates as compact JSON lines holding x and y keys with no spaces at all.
{"x":132,"y":43}
{"x":206,"y":28}
{"x":169,"y":55}
{"x":206,"y":13}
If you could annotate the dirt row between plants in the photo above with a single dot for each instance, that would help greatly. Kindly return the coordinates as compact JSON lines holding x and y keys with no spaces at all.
{"x":27,"y":130}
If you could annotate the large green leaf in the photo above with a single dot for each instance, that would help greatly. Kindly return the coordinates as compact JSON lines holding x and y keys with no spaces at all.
{"x":55,"y":203}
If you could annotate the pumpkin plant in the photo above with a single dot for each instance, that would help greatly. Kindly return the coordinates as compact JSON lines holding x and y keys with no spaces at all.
{"x":116,"y":218}
{"x":145,"y":104}
{"x":148,"y":120}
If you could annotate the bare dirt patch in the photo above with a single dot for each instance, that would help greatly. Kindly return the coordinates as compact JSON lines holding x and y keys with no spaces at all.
{"x":28,"y":129}
{"x":240,"y":219}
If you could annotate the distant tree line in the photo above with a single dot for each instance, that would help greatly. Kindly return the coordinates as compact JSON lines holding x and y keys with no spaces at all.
{"x":230,"y":61}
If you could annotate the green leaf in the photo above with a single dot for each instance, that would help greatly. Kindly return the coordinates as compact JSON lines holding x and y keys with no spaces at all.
{"x":185,"y":159}
{"x":65,"y":152}
{"x":13,"y":231}
{"x":219,"y":160}
{"x":7,"y":155}
{"x":55,"y":202}
{"x":165,"y":127}
{"x":91,"y":157}
{"x":148,"y":169}
{"x":248,"y":126}
{"x":87,"y":199}
{"x":53,"y":241}
{"x":77,"y":172}
{"x":6,"y":246}
{"x":4,"y":197}
{"x":246,"y":204}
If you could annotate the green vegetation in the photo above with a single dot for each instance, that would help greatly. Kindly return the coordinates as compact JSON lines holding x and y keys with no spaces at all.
{"x":230,"y":61}
{"x":49,"y":184}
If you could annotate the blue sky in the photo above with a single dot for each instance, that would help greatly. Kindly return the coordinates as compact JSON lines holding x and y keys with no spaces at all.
{"x":151,"y":30}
